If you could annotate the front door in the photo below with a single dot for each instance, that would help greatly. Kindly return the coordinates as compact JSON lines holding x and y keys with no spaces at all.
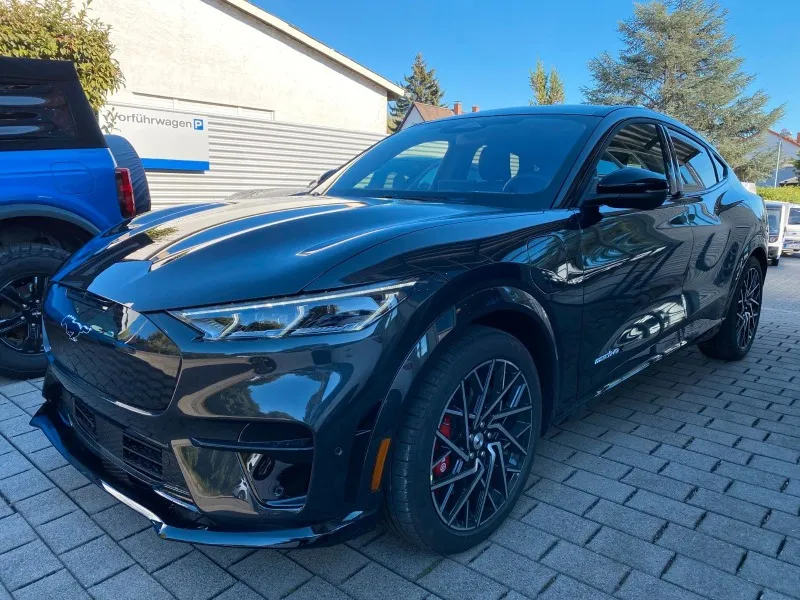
{"x":634,"y":263}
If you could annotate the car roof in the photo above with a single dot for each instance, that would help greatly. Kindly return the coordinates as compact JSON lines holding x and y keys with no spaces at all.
{"x":594,"y":110}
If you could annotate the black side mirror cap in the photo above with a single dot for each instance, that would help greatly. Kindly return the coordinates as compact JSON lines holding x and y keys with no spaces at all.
{"x":631,"y":187}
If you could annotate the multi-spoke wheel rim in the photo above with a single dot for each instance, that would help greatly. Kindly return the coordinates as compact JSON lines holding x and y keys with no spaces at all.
{"x":21,"y":313}
{"x":481,"y":444}
{"x":748,"y":308}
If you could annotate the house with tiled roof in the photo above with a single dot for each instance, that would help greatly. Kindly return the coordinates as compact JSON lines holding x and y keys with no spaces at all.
{"x":789,"y":149}
{"x":420,"y":113}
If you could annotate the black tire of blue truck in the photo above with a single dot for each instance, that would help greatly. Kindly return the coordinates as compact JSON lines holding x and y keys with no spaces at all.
{"x":15,"y":261}
{"x":126,"y":157}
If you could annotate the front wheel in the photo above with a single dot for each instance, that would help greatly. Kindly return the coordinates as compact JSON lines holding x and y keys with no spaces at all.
{"x":464,"y":449}
{"x":775,"y":261}
{"x":738,"y":329}
{"x":25,"y":270}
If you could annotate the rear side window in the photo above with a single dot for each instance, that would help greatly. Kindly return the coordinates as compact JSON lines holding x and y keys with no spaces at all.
{"x":695,"y":168}
{"x":43,"y":107}
{"x":774,"y":219}
{"x":794,"y":216}
{"x":722,"y":171}
{"x":34,"y":111}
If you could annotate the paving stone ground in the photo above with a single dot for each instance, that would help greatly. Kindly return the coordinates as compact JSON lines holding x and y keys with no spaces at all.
{"x":683,"y":483}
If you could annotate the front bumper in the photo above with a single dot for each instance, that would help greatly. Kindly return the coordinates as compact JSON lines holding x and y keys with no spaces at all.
{"x":180,"y":521}
{"x":176,"y":427}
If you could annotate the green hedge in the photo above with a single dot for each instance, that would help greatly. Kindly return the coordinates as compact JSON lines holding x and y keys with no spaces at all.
{"x":782,"y":194}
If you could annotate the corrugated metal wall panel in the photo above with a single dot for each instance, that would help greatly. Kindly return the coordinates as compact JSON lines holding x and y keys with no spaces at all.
{"x":250,"y":153}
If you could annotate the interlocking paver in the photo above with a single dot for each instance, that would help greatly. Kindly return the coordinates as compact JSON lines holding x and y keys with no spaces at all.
{"x":334,"y":564}
{"x":194,"y":576}
{"x":284,"y":577}
{"x":14,"y":532}
{"x":58,"y":585}
{"x":565,"y":588}
{"x":96,"y":560}
{"x":131,"y":584}
{"x":68,"y":532}
{"x":702,"y":547}
{"x":401,"y":558}
{"x":26,"y":564}
{"x":562,"y":496}
{"x":452,"y":581}
{"x":561,"y":523}
{"x":120,"y":522}
{"x":152,"y":552}
{"x":524,"y":539}
{"x":514,"y":570}
{"x":586,"y":566}
{"x":626,"y":519}
{"x":630,"y":551}
{"x":709,"y":581}
{"x":773,"y":573}
{"x":376,"y":581}
{"x":741,"y":534}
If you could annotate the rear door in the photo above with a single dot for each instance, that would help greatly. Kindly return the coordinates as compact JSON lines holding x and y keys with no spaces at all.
{"x":634,"y":263}
{"x":721,"y":222}
{"x":792,"y":239}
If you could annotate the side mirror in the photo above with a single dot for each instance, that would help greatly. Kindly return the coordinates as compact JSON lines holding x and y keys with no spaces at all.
{"x":323,"y":177}
{"x":631,"y":187}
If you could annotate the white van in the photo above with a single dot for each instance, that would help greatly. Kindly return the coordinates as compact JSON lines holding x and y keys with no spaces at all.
{"x":791,"y":243}
{"x":777,"y":218}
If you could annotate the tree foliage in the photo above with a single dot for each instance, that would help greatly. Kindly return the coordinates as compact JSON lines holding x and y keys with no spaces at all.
{"x":678,"y":59}
{"x":421,"y":86}
{"x":55,"y":29}
{"x":546,"y":89}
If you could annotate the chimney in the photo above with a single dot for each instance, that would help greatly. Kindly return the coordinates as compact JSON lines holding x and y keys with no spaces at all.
{"x":798,"y":137}
{"x":457,"y":108}
{"x":475,"y":108}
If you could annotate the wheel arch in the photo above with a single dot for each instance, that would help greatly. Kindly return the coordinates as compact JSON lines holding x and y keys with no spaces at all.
{"x":505,"y":307}
{"x":26,"y":223}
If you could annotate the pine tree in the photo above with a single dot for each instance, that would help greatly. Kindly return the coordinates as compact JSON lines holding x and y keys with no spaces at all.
{"x":421,"y":86}
{"x":547,"y":89}
{"x":678,"y":59}
{"x":556,"y":92}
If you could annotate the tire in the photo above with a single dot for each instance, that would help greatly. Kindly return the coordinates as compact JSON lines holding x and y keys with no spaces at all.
{"x":775,"y":261}
{"x":19,"y":263}
{"x":127,"y":158}
{"x":409,"y":504}
{"x":726,"y":343}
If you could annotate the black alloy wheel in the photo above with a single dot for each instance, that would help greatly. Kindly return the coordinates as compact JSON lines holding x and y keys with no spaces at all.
{"x":748,"y":307}
{"x":481,"y":443}
{"x":21,"y":313}
{"x":25,"y":271}
{"x":464,"y":448}
{"x":737,"y":332}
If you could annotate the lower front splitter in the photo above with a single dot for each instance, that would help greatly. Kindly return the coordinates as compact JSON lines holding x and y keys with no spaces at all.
{"x":158,"y":511}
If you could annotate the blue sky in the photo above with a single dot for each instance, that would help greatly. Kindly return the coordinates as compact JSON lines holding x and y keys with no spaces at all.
{"x":483,"y":51}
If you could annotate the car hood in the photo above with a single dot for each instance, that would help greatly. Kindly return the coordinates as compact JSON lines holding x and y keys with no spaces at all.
{"x":232,"y":251}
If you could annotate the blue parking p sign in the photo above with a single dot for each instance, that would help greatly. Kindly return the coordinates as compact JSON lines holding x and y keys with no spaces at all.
{"x":198,"y":124}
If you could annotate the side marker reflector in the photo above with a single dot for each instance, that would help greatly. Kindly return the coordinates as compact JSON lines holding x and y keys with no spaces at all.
{"x":380,"y":459}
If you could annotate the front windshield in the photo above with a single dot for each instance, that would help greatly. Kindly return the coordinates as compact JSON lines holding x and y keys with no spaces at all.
{"x":492,"y":159}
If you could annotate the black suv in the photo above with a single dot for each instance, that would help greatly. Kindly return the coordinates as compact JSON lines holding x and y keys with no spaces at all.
{"x":272,"y":372}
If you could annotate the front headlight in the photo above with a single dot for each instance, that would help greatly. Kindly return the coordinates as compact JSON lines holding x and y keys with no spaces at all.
{"x":334,"y":312}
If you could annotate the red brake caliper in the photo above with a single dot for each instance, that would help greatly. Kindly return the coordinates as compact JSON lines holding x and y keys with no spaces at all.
{"x":441,"y":467}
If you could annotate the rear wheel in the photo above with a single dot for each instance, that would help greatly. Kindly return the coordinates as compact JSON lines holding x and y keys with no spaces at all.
{"x":738,"y":330}
{"x":25,"y":270}
{"x":465,"y":447}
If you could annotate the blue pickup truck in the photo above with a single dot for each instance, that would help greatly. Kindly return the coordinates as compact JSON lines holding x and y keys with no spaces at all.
{"x":61,"y":182}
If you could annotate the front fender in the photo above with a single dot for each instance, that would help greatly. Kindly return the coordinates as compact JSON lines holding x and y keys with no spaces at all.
{"x":445,"y":327}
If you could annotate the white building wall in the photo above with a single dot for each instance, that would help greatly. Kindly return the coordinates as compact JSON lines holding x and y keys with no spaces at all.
{"x":208,"y":51}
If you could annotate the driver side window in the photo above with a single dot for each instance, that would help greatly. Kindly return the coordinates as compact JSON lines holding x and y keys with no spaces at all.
{"x":637,"y":145}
